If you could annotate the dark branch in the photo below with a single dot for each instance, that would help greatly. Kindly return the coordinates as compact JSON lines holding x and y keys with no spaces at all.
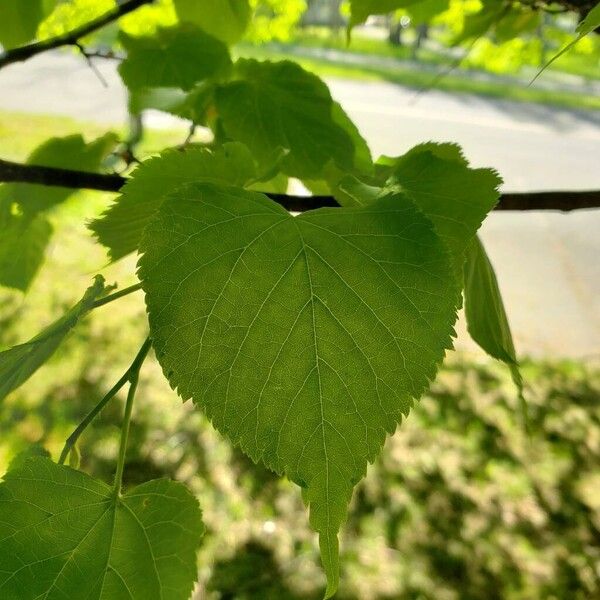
{"x":14,"y":172}
{"x":18,"y":173}
{"x":70,"y":38}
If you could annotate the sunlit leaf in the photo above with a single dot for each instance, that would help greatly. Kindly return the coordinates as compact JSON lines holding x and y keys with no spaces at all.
{"x":175,"y":57}
{"x":23,"y":242}
{"x":227,"y":20}
{"x":363,"y":161}
{"x":307,"y":338}
{"x":591,"y":22}
{"x":120,"y":228}
{"x":279,"y":104}
{"x":454,"y":196}
{"x":479,"y":23}
{"x":19,"y":363}
{"x":24,"y":230}
{"x":19,"y":20}
{"x":360,"y":10}
{"x":64,"y":534}
{"x":70,"y":152}
{"x":487,"y":322}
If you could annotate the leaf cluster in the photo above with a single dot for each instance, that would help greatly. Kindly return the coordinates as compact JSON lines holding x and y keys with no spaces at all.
{"x":304,"y":339}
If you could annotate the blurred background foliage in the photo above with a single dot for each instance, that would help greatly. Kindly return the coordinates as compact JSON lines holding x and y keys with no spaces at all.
{"x":494,"y":35}
{"x":462,"y":504}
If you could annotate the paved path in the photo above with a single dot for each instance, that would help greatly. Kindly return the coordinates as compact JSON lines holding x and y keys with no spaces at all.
{"x":548,"y":264}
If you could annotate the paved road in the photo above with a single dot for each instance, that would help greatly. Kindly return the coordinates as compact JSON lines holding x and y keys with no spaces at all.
{"x":548,"y":264}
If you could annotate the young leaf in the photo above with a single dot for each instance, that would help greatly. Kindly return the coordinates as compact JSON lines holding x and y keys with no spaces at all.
{"x":120,"y":228}
{"x":350,"y":191}
{"x":19,"y":363}
{"x":591,"y":22}
{"x":64,"y":534}
{"x":20,"y":20}
{"x":69,"y":152}
{"x":363,"y":161}
{"x":487,"y":322}
{"x":304,"y":339}
{"x":23,"y":243}
{"x":24,"y":230}
{"x":176,"y":57}
{"x":455,"y":197}
{"x":478,"y":24}
{"x":227,"y":20}
{"x":279,"y":104}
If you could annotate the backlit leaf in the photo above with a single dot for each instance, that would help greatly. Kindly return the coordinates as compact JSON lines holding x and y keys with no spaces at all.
{"x":307,"y":338}
{"x":23,"y":242}
{"x":70,"y":152}
{"x":455,"y":197}
{"x":19,"y":363}
{"x":120,"y":228}
{"x":24,"y":230}
{"x":19,"y":20}
{"x":487,"y":322}
{"x":279,"y":104}
{"x":360,"y":10}
{"x":64,"y":534}
{"x":227,"y":20}
{"x":591,"y":22}
{"x":176,"y":57}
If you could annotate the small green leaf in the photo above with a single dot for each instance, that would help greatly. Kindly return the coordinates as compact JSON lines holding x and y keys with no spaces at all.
{"x":20,"y":20}
{"x":591,"y":22}
{"x":520,"y":21}
{"x":350,"y":191}
{"x":23,"y":242}
{"x":279,"y":104}
{"x":487,"y":322}
{"x":70,"y":152}
{"x":455,"y":197}
{"x":478,"y":24}
{"x":423,"y":12}
{"x":64,"y":534}
{"x":19,"y":363}
{"x":363,"y":161}
{"x":227,"y":20}
{"x":308,"y":337}
{"x":176,"y":57}
{"x":120,"y":228}
{"x":29,"y":452}
{"x":24,"y":230}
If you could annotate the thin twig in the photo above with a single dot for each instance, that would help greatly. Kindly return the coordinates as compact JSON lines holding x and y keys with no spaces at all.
{"x":70,"y":38}
{"x":91,"y":64}
{"x":112,"y":297}
{"x":126,"y":377}
{"x":134,"y":373}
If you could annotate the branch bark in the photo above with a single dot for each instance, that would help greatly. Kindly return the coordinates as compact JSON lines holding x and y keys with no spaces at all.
{"x":564,"y":201}
{"x":70,"y":38}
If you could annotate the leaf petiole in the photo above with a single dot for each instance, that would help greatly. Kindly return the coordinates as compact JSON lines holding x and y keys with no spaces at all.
{"x":128,"y":376}
{"x":111,"y":297}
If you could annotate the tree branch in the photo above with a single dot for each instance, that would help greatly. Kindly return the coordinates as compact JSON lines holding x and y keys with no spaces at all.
{"x":18,"y":173}
{"x":52,"y":176}
{"x":70,"y":38}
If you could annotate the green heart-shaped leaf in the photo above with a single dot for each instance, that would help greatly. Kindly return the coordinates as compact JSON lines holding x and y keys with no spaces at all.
{"x":64,"y":534}
{"x":305,"y":338}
